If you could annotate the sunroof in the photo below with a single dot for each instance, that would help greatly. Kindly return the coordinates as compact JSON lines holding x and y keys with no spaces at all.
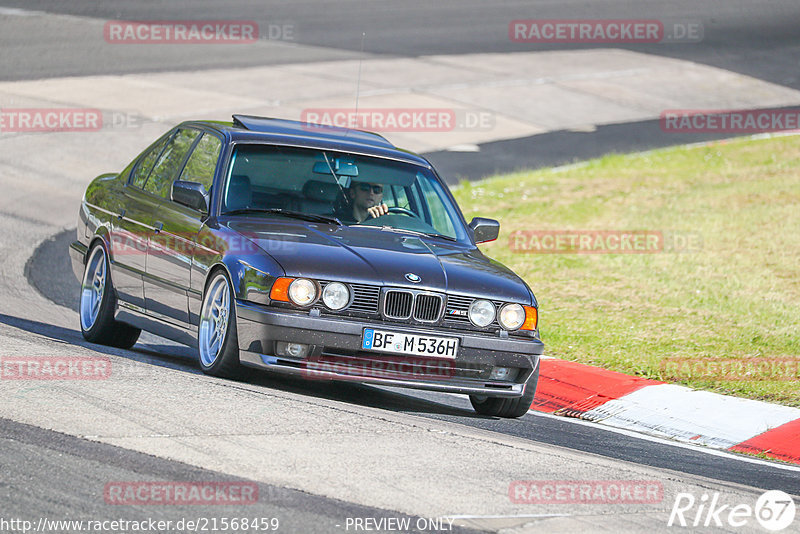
{"x":303,"y":129}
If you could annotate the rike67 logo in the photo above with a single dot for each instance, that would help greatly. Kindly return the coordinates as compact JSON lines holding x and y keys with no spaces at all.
{"x":774,"y":510}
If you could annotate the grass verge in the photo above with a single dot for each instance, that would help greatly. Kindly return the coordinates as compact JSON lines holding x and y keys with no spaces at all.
{"x":716,"y":308}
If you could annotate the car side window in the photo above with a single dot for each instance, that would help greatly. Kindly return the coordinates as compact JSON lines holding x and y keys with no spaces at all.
{"x":437,"y":213}
{"x":203,"y":161}
{"x":398,"y":195}
{"x":169,"y":162}
{"x":146,"y":163}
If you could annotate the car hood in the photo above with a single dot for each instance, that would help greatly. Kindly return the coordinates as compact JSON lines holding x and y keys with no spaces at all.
{"x":370,"y":255}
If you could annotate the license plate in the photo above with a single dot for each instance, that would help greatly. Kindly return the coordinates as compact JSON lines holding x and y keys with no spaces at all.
{"x":400,"y":343}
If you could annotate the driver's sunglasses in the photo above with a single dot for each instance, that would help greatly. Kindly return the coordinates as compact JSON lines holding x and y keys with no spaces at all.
{"x":377,"y":189}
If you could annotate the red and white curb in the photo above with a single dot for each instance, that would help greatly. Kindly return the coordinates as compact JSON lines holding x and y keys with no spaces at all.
{"x":668,"y":411}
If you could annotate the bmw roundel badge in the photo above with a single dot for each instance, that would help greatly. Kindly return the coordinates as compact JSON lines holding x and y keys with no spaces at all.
{"x":411,"y":277}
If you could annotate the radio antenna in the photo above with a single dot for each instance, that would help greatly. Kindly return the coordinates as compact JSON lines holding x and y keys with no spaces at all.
{"x":360,"y":61}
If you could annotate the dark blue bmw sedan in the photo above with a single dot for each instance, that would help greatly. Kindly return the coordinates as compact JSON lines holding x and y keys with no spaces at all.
{"x":298,"y":248}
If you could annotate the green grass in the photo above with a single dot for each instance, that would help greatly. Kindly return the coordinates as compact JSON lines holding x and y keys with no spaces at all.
{"x":736,"y":298}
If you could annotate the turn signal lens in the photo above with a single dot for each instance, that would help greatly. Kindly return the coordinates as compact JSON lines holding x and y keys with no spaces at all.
{"x":280,"y":289}
{"x":531,"y":318}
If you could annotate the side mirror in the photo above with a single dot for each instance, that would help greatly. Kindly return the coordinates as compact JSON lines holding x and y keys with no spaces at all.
{"x":190,"y":194}
{"x":484,"y":230}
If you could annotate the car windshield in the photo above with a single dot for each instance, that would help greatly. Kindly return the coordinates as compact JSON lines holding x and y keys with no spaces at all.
{"x":287,"y":181}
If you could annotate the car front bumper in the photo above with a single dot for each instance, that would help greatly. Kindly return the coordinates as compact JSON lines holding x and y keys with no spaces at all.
{"x":335,"y":353}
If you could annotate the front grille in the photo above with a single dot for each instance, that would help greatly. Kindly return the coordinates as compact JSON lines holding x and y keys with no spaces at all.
{"x":365,"y":298}
{"x":458,"y":308}
{"x":403,"y":304}
{"x":427,"y":307}
{"x":412,"y":305}
{"x":398,"y":304}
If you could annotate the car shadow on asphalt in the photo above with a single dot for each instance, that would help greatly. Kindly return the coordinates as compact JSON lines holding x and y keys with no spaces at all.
{"x":355,"y":393}
{"x":182,"y":358}
{"x":166,"y":355}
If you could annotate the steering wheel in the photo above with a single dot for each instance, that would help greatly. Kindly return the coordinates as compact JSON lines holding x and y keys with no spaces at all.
{"x":403,"y":211}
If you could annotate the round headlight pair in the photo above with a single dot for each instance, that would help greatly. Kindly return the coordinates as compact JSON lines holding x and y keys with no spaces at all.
{"x":303,"y":292}
{"x":482,"y":313}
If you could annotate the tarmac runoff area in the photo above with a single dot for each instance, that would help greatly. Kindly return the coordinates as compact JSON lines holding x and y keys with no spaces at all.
{"x":501,"y":96}
{"x":425,"y":104}
{"x":325,"y":447}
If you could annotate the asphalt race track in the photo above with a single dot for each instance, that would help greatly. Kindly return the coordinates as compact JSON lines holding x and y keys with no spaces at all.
{"x":320,"y":454}
{"x":49,"y":263}
{"x":739,"y":35}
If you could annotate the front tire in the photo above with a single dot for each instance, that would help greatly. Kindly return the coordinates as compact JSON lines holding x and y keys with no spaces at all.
{"x":98,"y":302}
{"x":509,"y":408}
{"x":217,"y":339}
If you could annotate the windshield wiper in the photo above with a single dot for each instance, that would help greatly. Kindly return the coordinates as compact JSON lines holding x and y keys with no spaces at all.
{"x":288,"y":213}
{"x":442,"y":236}
{"x":415,"y":232}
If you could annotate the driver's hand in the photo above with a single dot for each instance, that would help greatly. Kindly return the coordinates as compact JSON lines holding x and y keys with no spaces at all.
{"x":377,"y":211}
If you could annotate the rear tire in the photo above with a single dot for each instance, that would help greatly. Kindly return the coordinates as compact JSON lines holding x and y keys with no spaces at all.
{"x":98,"y":302}
{"x":217,"y":339}
{"x":509,"y":408}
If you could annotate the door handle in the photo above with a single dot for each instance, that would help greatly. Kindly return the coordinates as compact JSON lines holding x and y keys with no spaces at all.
{"x":158,"y":226}
{"x":121,"y":215}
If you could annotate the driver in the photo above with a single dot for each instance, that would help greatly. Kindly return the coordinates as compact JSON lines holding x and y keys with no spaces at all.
{"x":366,"y":200}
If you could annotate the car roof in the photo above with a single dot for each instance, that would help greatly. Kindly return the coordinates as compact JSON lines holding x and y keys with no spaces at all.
{"x":249,"y":128}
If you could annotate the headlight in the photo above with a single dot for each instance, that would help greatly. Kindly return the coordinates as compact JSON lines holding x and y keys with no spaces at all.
{"x":511,"y":316}
{"x":302,"y":291}
{"x":336,"y":295}
{"x":481,"y":313}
